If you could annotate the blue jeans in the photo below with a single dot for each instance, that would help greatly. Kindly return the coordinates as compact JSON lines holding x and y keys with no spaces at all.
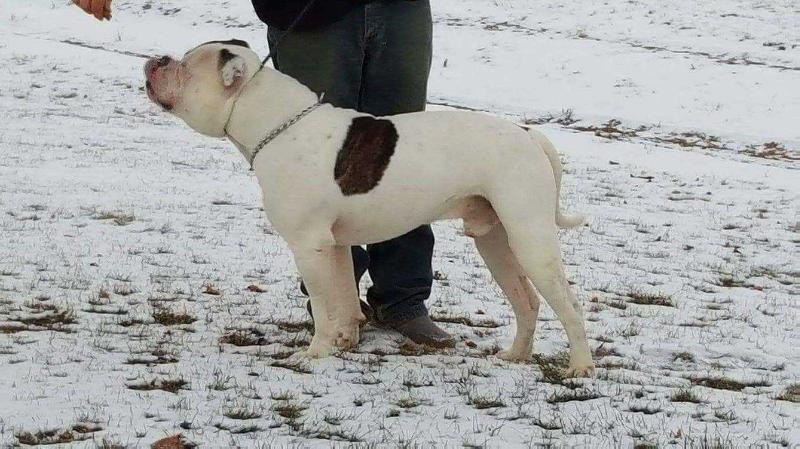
{"x":375,"y":60}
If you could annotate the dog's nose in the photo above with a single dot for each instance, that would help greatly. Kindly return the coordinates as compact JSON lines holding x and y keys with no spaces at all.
{"x":162,"y":61}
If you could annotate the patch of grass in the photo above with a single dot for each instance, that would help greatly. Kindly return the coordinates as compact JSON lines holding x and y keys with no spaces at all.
{"x":552,"y":423}
{"x":565,"y":118}
{"x":631,"y":330}
{"x":331,"y":435}
{"x":647,"y":409}
{"x":155,"y":357}
{"x":606,"y":351}
{"x":572,"y":395}
{"x":725,"y":415}
{"x":48,"y":316}
{"x":284,"y":395}
{"x":12,"y":328}
{"x":645,"y":445}
{"x":210,"y":289}
{"x":289,"y":410}
{"x":612,"y":130}
{"x":242,"y":413}
{"x":685,"y":395}
{"x":410,"y":380}
{"x":481,"y":402}
{"x":553,"y":367}
{"x":618,"y":304}
{"x":168,"y":317}
{"x":408,"y":349}
{"x":221,"y":381}
{"x":118,"y":218}
{"x":692,"y":140}
{"x":467,"y":321}
{"x":683,"y":356}
{"x":132,"y":322}
{"x":110,"y":444}
{"x":790,"y":394}
{"x":650,"y":299}
{"x":337,"y":418}
{"x":249,"y":428}
{"x":124,"y":290}
{"x":56,"y":436}
{"x":168,"y":385}
{"x":723,"y":383}
{"x":729,"y":281}
{"x":407,"y":402}
{"x":42,"y":316}
{"x":291,"y":326}
{"x":771,"y":150}
{"x":709,"y":442}
{"x":247,"y":337}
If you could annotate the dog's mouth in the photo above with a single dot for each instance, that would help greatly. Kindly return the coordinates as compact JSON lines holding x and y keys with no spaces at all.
{"x":151,"y":93}
{"x":150,"y":70}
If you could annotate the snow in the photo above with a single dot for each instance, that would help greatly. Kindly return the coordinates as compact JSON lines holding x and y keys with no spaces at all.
{"x":112,"y":213}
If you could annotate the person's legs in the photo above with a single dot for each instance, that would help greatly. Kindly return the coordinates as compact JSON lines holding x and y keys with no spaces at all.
{"x":398,"y":44}
{"x":401,"y":275}
{"x":329,"y":60}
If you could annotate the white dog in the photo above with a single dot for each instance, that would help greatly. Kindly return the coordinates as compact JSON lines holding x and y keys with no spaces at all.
{"x":332,"y":178}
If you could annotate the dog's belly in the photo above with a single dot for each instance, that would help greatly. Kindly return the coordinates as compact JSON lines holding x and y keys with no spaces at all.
{"x":358,"y":231}
{"x":356,"y":228}
{"x":372,"y":223}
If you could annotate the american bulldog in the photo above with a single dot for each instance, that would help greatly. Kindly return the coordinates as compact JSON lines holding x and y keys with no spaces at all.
{"x":333,"y":177}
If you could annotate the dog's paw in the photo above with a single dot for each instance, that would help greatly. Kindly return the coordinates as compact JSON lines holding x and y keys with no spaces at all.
{"x":582,"y":370}
{"x":512,"y":355}
{"x":347,"y":338}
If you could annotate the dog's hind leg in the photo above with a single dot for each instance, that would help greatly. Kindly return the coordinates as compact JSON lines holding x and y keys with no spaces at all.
{"x":328,"y":274}
{"x":493,"y":247}
{"x":528,"y":213}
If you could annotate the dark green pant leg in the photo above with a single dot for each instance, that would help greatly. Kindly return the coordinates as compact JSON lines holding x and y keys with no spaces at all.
{"x":327,"y":60}
{"x":395,"y":81}
{"x":398,"y":47}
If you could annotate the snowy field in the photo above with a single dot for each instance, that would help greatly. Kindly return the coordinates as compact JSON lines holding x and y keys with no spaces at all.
{"x":143,"y":293}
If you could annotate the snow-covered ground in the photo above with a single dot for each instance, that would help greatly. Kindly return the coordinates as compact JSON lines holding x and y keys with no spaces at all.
{"x":143,"y":293}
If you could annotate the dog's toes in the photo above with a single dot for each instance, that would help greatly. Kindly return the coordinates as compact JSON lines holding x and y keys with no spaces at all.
{"x":347,"y":338}
{"x":511,"y":355}
{"x":580,"y":371}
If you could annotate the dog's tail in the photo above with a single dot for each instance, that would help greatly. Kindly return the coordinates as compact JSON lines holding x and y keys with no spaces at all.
{"x":563,"y":221}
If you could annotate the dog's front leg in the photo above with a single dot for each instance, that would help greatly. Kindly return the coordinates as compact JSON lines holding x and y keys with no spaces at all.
{"x":328,"y":274}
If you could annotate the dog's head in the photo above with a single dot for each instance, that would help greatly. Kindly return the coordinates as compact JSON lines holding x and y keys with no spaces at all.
{"x":201,"y":88}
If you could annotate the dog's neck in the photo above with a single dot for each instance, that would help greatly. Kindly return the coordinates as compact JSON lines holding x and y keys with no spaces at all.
{"x":268,"y":100}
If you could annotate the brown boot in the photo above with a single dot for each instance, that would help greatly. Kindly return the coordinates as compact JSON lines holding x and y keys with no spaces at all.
{"x":422,"y":331}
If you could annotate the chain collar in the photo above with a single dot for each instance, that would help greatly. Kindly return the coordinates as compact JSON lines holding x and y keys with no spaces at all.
{"x":275,"y":132}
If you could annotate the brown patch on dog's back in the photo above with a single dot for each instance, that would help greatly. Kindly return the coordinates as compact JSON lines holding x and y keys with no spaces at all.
{"x":365,"y":154}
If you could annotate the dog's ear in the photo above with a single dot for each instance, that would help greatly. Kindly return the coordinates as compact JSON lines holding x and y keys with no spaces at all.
{"x":232,"y":67}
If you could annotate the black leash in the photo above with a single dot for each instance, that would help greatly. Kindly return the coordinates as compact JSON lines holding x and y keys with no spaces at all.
{"x":288,"y":30}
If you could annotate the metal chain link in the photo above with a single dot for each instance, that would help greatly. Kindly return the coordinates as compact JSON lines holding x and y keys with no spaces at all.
{"x":283,"y":127}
